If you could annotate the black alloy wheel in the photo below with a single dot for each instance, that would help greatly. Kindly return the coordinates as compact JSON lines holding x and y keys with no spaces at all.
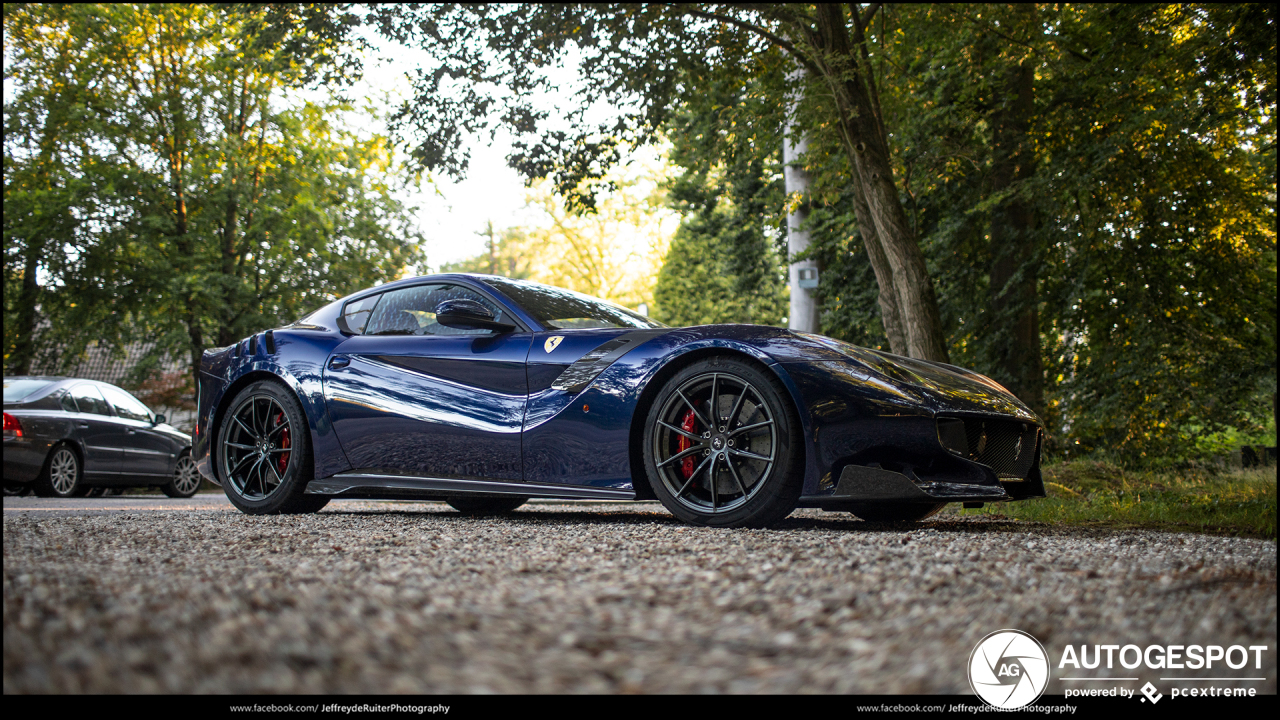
{"x":62,"y":475}
{"x":722,"y":445}
{"x":485,"y":505}
{"x":263,"y":453}
{"x":186,"y":479}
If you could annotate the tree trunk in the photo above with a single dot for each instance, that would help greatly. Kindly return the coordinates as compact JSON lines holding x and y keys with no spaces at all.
{"x":865,"y":143}
{"x":24,"y":346}
{"x":890,"y":316}
{"x":1012,"y":272}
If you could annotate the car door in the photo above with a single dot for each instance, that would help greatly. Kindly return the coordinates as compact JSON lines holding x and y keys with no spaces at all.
{"x":143,"y":451}
{"x":410,"y":396}
{"x":98,"y":433}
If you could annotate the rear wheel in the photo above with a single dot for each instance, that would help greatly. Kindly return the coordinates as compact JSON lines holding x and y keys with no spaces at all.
{"x":722,"y":445}
{"x":62,"y":475}
{"x":484,"y":505}
{"x":895,"y":512}
{"x":262,"y":452}
{"x":186,"y":479}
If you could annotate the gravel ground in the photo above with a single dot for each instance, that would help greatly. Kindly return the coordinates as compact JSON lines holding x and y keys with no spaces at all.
{"x":589,"y":597}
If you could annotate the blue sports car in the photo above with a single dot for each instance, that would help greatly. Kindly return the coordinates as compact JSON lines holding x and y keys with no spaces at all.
{"x":484,"y":391}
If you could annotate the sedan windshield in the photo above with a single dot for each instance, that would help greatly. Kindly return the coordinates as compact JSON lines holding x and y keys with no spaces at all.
{"x":18,"y":388}
{"x":561,"y":309}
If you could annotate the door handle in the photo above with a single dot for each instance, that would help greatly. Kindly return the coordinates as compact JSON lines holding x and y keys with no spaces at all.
{"x":339,"y":361}
{"x":131,"y":431}
{"x":83,"y":425}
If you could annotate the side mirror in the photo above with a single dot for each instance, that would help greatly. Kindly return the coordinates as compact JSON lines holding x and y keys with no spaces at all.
{"x":464,"y":314}
{"x":160,"y":418}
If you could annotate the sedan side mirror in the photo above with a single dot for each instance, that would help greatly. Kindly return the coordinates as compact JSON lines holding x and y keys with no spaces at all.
{"x":464,"y":314}
{"x":160,"y":418}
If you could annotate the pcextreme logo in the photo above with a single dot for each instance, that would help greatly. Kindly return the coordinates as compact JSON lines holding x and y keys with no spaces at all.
{"x":1009,"y":669}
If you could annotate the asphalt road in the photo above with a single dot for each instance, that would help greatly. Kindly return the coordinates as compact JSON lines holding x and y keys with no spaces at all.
{"x":148,"y":594}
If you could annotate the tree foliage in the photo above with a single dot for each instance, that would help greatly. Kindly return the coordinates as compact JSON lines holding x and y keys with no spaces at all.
{"x":1109,"y":172}
{"x":612,"y":253}
{"x":162,"y":177}
{"x":724,"y":264}
{"x":490,"y":68}
{"x":1093,"y":188}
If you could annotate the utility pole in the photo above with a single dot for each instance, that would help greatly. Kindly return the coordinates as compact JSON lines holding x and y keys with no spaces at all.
{"x":802,"y":275}
{"x":493,"y":258}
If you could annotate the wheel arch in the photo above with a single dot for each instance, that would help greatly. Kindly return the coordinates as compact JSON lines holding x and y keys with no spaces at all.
{"x":230,"y":393}
{"x":46,"y":470}
{"x":72,"y":443}
{"x":675,"y":364}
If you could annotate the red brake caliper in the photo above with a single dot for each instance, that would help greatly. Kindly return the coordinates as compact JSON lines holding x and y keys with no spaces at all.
{"x":285,"y":441}
{"x":686,"y":465}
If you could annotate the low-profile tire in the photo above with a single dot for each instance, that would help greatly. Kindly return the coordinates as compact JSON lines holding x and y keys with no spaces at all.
{"x":896,"y":512}
{"x":186,"y":478}
{"x":62,"y":475}
{"x":722,"y":445}
{"x":485,"y":505}
{"x":262,"y":452}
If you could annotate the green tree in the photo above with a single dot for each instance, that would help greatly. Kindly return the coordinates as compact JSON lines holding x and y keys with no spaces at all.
{"x":1104,"y":175}
{"x":208,"y":201}
{"x":723,"y":265}
{"x":645,"y":60}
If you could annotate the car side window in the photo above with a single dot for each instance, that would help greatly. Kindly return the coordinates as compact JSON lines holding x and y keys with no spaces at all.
{"x":356,"y":314}
{"x":68,"y":402}
{"x":126,"y":405}
{"x":89,"y":400}
{"x":412,"y":311}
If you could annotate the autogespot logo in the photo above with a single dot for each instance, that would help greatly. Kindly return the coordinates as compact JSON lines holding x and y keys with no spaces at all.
{"x":1009,"y":669}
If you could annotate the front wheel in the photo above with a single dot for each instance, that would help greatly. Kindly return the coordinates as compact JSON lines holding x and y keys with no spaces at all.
{"x":262,"y":452}
{"x":895,"y":512}
{"x":484,"y":505}
{"x":722,"y":445}
{"x":186,"y":479}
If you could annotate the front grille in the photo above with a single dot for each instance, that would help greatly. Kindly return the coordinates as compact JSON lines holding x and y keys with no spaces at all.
{"x":1006,"y":446}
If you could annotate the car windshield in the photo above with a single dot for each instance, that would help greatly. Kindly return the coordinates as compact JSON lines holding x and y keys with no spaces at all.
{"x":18,"y":388}
{"x":561,"y":309}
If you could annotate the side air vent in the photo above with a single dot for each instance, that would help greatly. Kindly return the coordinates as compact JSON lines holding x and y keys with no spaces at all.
{"x":253,"y":345}
{"x":271,"y":342}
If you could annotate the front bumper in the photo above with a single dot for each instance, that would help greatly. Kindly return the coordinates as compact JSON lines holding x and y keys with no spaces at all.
{"x":860,"y":483}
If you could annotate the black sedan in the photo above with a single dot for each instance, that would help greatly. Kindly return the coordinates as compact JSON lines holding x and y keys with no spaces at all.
{"x":66,"y":437}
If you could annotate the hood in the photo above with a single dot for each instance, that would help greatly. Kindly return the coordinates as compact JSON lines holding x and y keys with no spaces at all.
{"x":947,"y":388}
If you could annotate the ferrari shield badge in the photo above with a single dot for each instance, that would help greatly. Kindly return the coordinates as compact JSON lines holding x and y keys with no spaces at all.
{"x":552,"y":342}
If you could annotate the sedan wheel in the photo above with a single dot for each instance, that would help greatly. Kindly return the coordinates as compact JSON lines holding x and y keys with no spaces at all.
{"x":61,"y":477}
{"x":186,"y":479}
{"x":15,"y":489}
{"x":722,"y":447}
{"x":263,"y":454}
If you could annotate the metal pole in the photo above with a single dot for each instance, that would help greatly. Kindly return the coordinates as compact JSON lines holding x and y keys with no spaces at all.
{"x":803,"y":275}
